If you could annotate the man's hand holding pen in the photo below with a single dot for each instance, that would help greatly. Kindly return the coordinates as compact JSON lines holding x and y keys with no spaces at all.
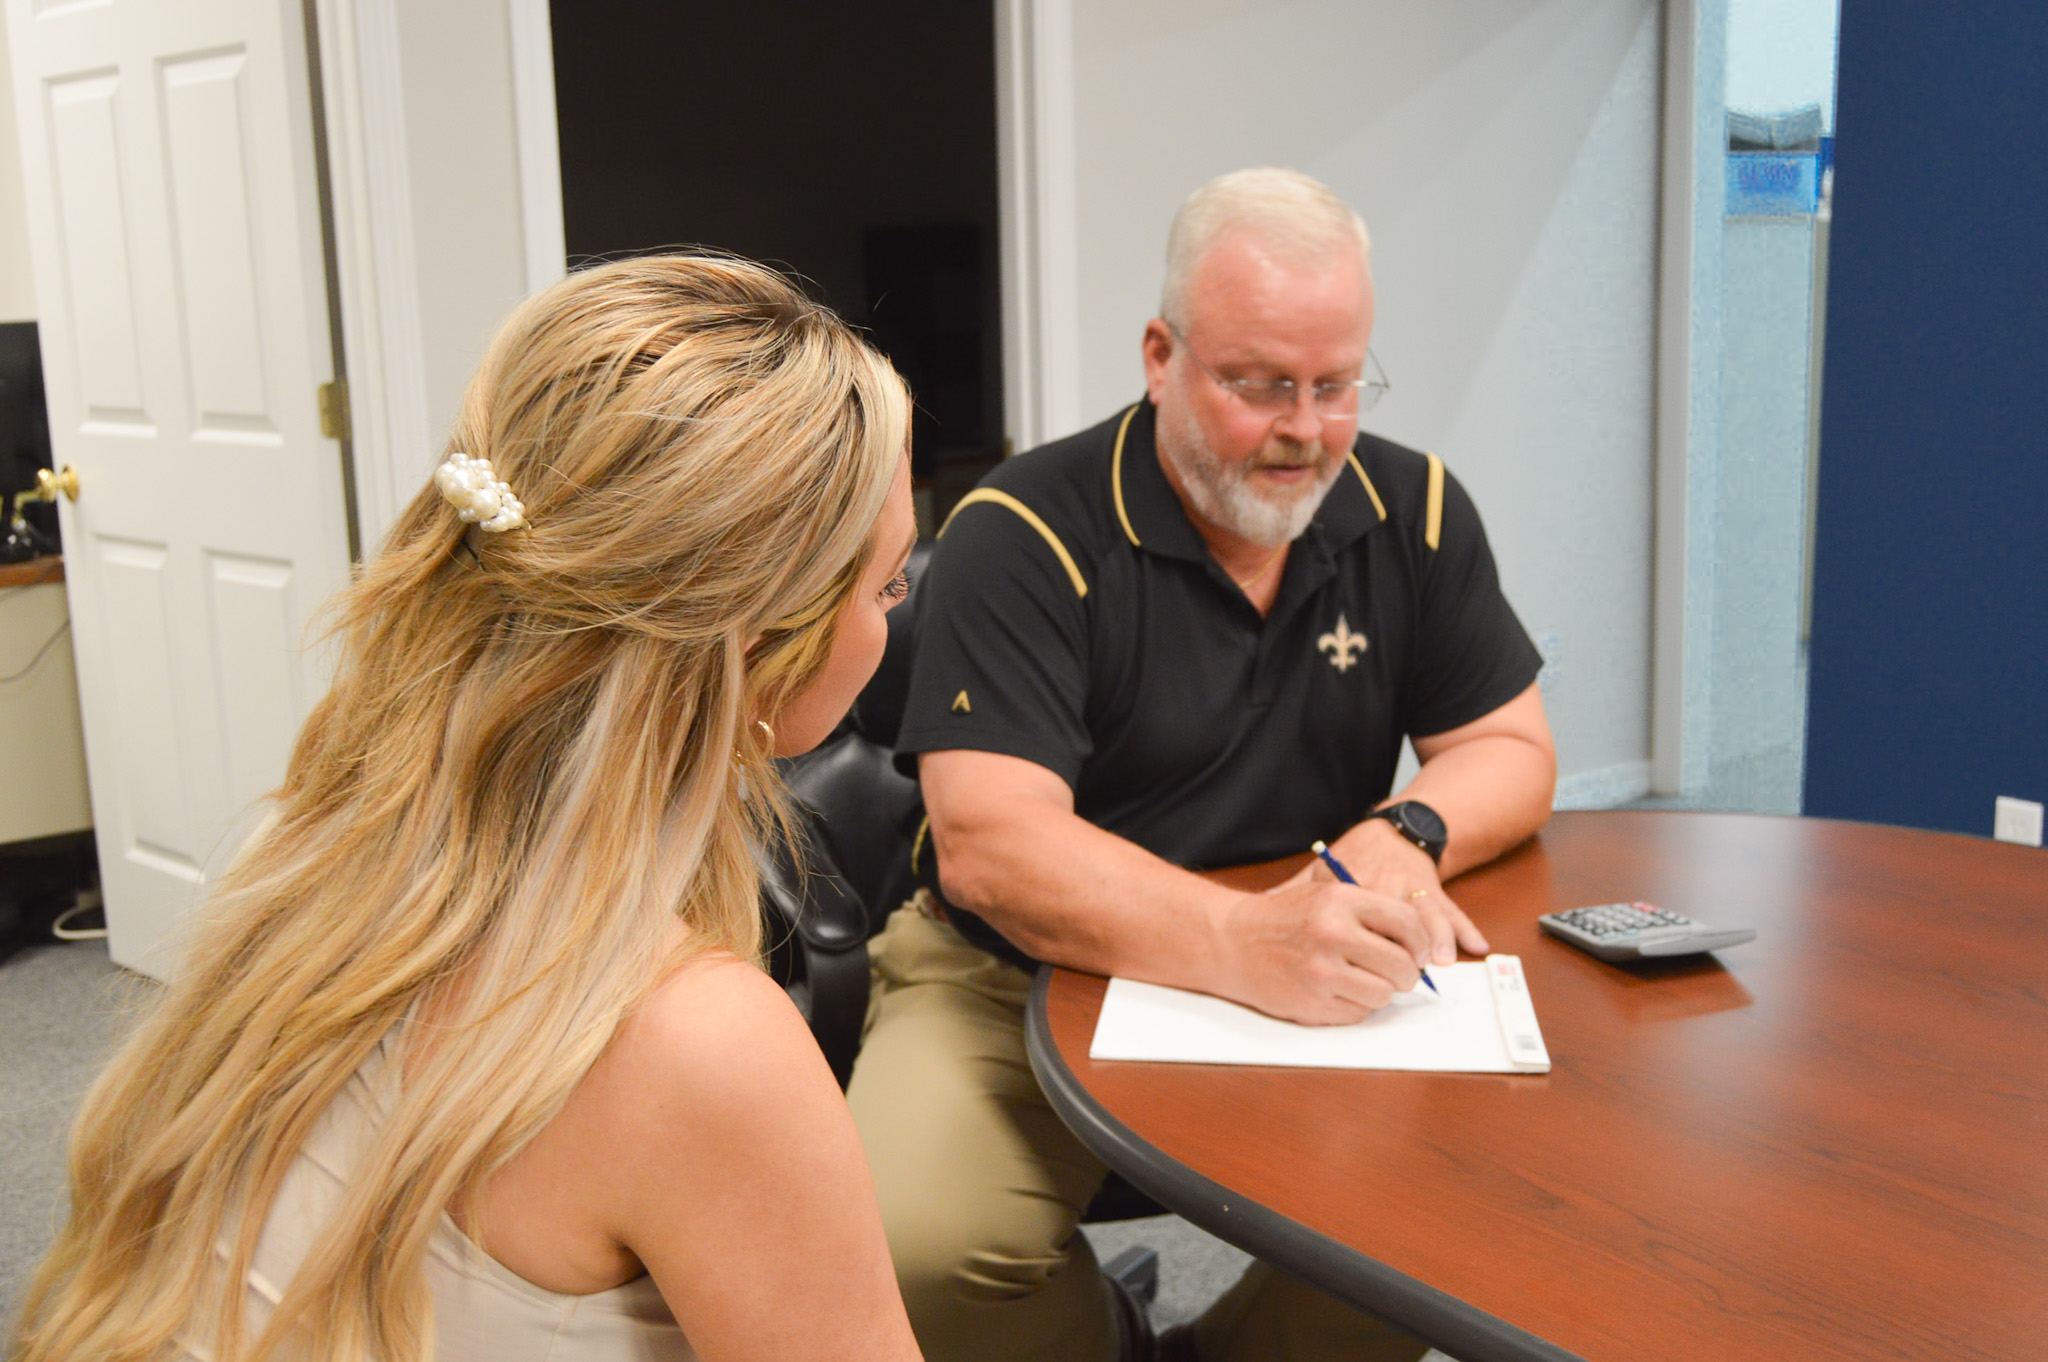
{"x":1383,"y":861}
{"x":1319,"y":952}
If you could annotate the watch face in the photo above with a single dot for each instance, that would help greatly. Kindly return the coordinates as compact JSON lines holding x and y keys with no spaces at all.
{"x":1423,"y":822}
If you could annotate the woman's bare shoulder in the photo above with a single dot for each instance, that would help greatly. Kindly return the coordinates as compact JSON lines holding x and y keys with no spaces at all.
{"x":721,"y":1030}
{"x":709,"y":1076}
{"x":741,"y":1183}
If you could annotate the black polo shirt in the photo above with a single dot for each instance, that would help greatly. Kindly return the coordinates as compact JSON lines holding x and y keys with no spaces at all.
{"x":1074,"y":617}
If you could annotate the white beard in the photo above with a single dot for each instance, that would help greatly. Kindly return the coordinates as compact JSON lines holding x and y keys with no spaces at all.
{"x":1224,"y":494}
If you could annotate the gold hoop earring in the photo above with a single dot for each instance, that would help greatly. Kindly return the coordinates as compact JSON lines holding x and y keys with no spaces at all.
{"x":767,"y":733}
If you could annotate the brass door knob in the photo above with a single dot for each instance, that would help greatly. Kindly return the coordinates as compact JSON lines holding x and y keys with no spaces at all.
{"x":49,"y":484}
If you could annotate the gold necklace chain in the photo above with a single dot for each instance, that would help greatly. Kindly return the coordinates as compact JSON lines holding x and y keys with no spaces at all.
{"x":1245,"y":584}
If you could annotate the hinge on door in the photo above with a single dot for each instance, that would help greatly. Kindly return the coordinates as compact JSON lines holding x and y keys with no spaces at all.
{"x":334,"y":409}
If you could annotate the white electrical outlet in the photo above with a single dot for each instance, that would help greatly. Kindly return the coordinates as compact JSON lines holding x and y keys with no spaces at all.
{"x":2017,"y":820}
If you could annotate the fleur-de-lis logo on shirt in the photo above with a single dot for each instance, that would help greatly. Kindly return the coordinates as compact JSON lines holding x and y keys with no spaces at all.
{"x":1341,"y":644}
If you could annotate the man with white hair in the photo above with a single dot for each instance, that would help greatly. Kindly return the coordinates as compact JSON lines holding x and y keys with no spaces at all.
{"x":1193,"y":636}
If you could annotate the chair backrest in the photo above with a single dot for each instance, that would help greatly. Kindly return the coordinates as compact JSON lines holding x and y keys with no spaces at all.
{"x":860,"y":815}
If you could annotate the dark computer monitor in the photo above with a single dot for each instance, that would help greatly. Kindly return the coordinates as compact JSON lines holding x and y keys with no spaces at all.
{"x":24,"y":422}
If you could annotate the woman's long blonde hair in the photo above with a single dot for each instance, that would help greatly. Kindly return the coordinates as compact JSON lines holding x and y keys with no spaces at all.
{"x":532,"y":791}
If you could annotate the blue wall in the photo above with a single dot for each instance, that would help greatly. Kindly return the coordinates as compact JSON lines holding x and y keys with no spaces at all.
{"x":1930,"y":612}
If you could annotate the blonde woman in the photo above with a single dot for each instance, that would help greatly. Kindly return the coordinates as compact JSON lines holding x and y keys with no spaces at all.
{"x":469,"y":1058}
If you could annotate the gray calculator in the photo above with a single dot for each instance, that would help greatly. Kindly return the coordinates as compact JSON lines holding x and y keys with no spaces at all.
{"x":1639,"y":931}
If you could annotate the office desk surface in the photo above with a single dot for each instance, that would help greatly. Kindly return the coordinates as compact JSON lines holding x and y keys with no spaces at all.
{"x":1830,"y":1142}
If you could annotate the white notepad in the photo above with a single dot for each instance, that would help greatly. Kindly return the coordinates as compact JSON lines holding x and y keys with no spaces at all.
{"x":1483,"y":1022}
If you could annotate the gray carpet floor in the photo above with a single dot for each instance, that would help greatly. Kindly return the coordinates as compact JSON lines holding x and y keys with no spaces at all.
{"x":63,"y":1007}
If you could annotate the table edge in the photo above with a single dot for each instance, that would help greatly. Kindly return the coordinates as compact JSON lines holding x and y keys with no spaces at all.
{"x":1442,"y":1320}
{"x":45,"y":569}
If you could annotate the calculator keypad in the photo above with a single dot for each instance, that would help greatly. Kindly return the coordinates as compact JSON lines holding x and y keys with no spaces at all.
{"x":1621,"y":932}
{"x":1622,"y":919}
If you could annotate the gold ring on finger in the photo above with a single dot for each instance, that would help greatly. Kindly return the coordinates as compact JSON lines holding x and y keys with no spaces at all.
{"x":1419,"y":894}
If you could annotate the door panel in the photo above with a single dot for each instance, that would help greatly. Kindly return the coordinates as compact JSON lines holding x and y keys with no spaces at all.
{"x":174,"y":217}
{"x":85,"y":165}
{"x":255,"y":647}
{"x":135,"y":610}
{"x":211,"y":209}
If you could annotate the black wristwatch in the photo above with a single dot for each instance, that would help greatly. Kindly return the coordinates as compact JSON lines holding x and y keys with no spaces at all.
{"x":1418,"y":823}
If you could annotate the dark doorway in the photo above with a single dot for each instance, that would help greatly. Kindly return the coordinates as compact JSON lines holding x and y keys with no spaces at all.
{"x":852,"y":144}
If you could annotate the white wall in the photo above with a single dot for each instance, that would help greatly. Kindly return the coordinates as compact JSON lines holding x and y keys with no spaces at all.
{"x":1505,"y":156}
{"x":17,"y":279}
{"x":463,"y":154}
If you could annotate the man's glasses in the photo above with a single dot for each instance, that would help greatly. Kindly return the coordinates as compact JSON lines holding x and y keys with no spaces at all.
{"x":1275,"y":396}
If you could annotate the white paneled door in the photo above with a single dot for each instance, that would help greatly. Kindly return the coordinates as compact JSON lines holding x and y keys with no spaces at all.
{"x":173,"y":202}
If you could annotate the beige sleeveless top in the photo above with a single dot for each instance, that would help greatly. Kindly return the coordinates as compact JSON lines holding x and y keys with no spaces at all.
{"x":483,"y":1311}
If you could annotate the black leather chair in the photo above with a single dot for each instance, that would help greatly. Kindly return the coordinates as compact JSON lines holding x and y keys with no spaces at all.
{"x":857,"y":818}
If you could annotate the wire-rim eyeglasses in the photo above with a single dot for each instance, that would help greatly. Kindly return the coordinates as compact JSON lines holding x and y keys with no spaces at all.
{"x":1273,"y":396}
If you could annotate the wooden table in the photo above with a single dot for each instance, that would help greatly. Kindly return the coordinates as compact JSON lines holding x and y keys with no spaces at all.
{"x":33,"y":572}
{"x":1830,"y":1142}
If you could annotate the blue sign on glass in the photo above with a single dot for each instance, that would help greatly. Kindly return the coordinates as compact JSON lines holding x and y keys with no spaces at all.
{"x":1773,"y":183}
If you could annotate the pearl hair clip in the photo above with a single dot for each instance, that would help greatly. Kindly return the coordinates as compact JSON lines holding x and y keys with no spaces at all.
{"x":477,"y":493}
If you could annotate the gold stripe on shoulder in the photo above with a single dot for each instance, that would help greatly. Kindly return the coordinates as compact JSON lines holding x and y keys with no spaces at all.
{"x":1116,"y":472}
{"x":1370,"y":490}
{"x":1433,"y":519}
{"x":1029,"y":517}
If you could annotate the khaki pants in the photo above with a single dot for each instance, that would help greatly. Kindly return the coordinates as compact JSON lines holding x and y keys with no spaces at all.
{"x":982,"y":1187}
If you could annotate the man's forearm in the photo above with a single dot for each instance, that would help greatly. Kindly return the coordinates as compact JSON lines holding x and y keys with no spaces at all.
{"x":1011,"y":849}
{"x":1492,"y":792}
{"x":1067,"y":892}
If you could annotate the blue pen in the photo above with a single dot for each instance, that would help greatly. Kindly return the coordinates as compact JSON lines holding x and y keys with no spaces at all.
{"x":1322,"y":849}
